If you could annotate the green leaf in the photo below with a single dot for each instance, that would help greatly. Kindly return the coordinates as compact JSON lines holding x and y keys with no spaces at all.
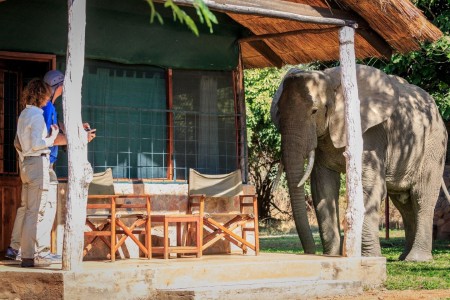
{"x":191,"y":24}
{"x":154,"y":13}
{"x":204,"y":15}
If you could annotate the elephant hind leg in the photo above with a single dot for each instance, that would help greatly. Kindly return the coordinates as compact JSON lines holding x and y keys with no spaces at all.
{"x":423,"y":198}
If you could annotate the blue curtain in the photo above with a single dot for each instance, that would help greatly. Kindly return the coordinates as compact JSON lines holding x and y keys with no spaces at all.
{"x":127,"y":106}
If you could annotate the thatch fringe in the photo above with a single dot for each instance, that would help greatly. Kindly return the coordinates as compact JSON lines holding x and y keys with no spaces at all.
{"x":398,"y":21}
{"x":399,"y":24}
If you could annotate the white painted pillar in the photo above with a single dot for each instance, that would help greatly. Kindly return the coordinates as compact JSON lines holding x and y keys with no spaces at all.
{"x":79,"y":169}
{"x":354,"y":214}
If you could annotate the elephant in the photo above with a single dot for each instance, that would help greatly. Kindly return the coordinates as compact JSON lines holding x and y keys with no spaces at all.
{"x":404,"y":147}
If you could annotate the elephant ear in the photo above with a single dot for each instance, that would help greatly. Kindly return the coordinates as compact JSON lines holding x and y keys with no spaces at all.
{"x":274,"y":112}
{"x":378,"y":96}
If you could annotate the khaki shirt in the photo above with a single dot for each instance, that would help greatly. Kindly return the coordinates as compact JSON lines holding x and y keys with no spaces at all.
{"x":32,"y":133}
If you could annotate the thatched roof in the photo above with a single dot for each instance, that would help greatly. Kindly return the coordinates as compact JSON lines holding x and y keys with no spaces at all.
{"x":384,"y":26}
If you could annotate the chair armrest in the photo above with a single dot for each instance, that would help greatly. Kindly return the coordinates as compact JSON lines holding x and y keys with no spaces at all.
{"x":197,"y":196}
{"x":133,"y":196}
{"x":248,"y":196}
{"x":101,"y":196}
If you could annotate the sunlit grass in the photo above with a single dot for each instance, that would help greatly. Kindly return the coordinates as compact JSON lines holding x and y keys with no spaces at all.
{"x":400,"y":275}
{"x":413,"y":275}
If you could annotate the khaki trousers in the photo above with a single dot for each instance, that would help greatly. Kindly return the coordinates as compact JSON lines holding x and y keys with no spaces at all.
{"x":35,"y":185}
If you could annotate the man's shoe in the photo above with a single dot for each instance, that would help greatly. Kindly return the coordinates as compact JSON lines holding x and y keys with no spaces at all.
{"x":55,"y":258}
{"x":11,"y":253}
{"x":27,"y":263}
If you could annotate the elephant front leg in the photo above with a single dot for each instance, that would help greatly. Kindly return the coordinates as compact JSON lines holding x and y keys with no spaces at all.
{"x":325,"y":185}
{"x":374,"y":190}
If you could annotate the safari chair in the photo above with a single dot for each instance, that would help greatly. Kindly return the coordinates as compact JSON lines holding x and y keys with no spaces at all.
{"x":105,"y":214}
{"x":227,"y":186}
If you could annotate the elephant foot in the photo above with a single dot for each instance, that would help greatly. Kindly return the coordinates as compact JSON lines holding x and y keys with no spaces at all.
{"x":417,"y":256}
{"x":403,"y":256}
{"x":372,"y":252}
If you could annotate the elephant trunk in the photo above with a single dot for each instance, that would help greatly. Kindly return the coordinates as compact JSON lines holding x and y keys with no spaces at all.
{"x":293,"y":163}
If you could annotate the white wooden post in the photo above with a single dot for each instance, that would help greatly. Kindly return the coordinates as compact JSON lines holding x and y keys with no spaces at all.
{"x":80,"y":171}
{"x":354,"y":214}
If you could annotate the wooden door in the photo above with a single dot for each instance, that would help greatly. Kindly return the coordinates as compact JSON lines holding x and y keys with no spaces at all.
{"x":10,"y":185}
{"x":16,"y":69}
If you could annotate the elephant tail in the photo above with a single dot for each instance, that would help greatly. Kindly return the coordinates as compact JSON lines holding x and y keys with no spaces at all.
{"x":444,"y":188}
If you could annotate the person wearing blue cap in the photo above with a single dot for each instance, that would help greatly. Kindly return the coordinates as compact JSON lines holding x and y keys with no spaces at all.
{"x":55,"y":79}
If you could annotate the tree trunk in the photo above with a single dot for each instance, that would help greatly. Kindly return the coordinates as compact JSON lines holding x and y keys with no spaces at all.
{"x":79,"y":169}
{"x":354,"y":214}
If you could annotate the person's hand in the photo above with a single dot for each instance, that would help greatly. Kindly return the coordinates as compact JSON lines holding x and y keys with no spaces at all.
{"x":86,"y":126}
{"x":54,"y":132}
{"x":91,"y":134}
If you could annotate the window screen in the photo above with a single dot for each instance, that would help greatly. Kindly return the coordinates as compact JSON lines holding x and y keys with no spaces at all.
{"x":127,"y":106}
{"x":204,"y":123}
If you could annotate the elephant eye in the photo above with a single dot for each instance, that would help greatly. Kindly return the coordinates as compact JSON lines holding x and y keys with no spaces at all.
{"x":314,"y":110}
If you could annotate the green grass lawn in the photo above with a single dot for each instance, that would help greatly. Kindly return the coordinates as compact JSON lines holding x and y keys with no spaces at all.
{"x":400,"y":275}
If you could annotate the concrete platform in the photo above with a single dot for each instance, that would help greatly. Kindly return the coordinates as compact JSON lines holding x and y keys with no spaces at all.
{"x":235,"y":276}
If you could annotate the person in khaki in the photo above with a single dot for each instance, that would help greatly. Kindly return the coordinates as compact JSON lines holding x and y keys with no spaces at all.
{"x":55,"y":80}
{"x":34,"y":142}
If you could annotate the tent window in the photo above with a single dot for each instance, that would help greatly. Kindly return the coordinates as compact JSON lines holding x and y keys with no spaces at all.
{"x":128,"y":105}
{"x":204,"y":122}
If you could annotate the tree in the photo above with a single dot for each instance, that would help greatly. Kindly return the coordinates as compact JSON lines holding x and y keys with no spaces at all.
{"x":428,"y":67}
{"x":264,"y":141}
{"x":79,"y":169}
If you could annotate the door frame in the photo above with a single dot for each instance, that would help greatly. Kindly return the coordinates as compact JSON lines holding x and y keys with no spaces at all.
{"x":10,"y":184}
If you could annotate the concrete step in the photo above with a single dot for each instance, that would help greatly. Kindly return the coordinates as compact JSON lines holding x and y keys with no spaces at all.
{"x":267,"y":289}
{"x":188,"y":273}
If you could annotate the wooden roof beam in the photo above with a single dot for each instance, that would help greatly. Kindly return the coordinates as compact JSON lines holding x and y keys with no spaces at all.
{"x":377,"y":42}
{"x":267,"y":52}
{"x":287,"y":34}
{"x":277,"y":9}
{"x":298,"y":12}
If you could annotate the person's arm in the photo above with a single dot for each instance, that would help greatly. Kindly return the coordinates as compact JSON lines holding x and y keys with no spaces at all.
{"x":61,"y":139}
{"x":37,"y":141}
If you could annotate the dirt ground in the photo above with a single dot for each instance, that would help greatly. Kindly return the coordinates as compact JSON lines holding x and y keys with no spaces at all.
{"x":398,"y":295}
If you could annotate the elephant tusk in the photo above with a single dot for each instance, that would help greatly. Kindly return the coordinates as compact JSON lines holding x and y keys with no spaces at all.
{"x":277,"y":178}
{"x":308,"y":168}
{"x":444,"y":188}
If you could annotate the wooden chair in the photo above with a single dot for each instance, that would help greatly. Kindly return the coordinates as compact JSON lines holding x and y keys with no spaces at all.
{"x":105,"y":214}
{"x":227,"y":186}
